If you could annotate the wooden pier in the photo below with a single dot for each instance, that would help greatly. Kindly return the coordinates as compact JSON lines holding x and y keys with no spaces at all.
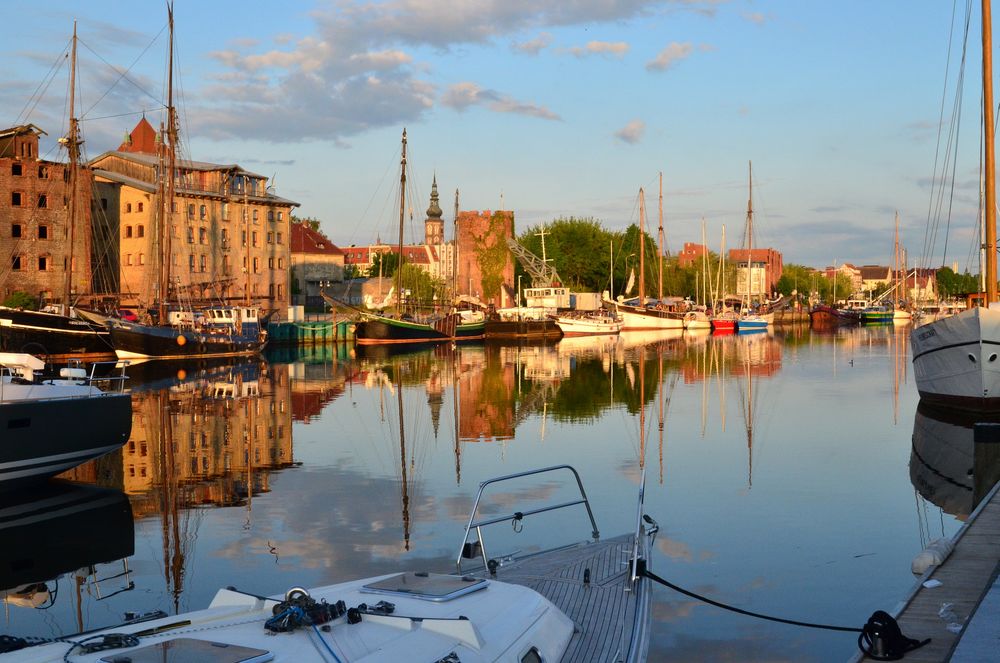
{"x":965,"y":576}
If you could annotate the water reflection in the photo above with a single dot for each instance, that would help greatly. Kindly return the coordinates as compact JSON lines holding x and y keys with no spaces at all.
{"x":63,"y":528}
{"x":735,"y":433}
{"x":950,"y":466}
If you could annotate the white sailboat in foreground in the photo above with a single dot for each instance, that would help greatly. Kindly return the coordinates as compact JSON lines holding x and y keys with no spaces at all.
{"x":955,"y":359}
{"x":586,"y":601}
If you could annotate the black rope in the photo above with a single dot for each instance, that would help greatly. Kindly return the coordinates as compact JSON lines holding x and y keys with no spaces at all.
{"x":666,"y":583}
{"x":879,"y":639}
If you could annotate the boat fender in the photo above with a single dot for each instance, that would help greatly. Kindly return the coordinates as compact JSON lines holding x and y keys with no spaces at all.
{"x":181,"y":340}
{"x":933,"y":555}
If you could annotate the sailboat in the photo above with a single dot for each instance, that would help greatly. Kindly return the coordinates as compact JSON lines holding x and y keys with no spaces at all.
{"x":57,"y":335}
{"x":723,"y":318}
{"x":698,"y":318}
{"x":752,"y":318}
{"x":639,"y":313}
{"x":377,"y":328}
{"x":955,"y":358}
{"x":216,"y":331}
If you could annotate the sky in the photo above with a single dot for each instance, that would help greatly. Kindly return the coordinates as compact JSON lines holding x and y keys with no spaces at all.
{"x":549,"y":109}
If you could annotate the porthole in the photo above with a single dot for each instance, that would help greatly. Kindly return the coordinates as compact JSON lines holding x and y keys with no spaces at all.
{"x":972,"y":358}
{"x":993,"y":357}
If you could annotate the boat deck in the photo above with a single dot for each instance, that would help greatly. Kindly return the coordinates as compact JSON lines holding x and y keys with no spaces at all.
{"x":965,"y":577}
{"x":603,"y":610}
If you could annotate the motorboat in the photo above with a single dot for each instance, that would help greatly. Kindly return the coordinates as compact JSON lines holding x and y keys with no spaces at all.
{"x":55,"y":421}
{"x":586,"y":601}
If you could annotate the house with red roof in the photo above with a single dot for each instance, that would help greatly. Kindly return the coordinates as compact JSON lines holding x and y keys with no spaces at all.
{"x":316,"y":263}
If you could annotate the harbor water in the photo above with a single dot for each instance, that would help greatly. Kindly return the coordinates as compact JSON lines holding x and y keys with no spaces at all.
{"x":791,"y":473}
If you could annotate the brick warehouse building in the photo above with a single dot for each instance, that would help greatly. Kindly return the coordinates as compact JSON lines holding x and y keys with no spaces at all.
{"x":230,"y":236}
{"x":34,"y":220}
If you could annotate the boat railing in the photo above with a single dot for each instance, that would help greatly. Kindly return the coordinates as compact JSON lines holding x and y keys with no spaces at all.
{"x":109,"y":373}
{"x":638,"y":548}
{"x":466,"y":551}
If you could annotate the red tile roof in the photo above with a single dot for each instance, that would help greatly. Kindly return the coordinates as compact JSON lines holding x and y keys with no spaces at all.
{"x":306,"y":240}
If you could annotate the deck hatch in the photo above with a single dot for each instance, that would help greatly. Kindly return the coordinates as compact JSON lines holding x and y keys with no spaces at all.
{"x":437,"y":587}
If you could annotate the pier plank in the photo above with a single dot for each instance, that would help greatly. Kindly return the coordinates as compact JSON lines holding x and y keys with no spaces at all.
{"x":965,"y":577}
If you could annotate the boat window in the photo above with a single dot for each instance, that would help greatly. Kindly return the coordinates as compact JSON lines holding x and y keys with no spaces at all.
{"x":426,"y":586}
{"x":532,"y":656}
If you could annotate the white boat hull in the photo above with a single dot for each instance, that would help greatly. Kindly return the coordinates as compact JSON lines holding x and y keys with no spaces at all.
{"x":634,"y":320}
{"x":956,"y":360}
{"x":588,"y":326}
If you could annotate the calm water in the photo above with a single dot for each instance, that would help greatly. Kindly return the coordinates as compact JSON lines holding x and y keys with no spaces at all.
{"x":783,"y":477}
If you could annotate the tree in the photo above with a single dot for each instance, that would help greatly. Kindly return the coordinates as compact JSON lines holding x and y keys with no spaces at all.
{"x":577,"y":248}
{"x":383,"y":264}
{"x":310,"y":221}
{"x":950,"y":284}
{"x":22,"y":300}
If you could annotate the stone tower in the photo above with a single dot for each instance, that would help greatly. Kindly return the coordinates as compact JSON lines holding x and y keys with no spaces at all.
{"x":434,"y":224}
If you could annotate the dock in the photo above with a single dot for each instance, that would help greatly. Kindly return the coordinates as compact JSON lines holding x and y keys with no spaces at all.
{"x":970,"y":631}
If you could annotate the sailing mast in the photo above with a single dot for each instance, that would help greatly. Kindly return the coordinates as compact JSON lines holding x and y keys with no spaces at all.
{"x":73,"y":147}
{"x":402,"y":207}
{"x":990,"y":169}
{"x":660,"y":239}
{"x":166,"y":184}
{"x":642,"y":248}
{"x":749,"y":236}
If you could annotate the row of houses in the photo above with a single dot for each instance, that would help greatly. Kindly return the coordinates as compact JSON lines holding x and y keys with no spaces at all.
{"x":918,"y":284}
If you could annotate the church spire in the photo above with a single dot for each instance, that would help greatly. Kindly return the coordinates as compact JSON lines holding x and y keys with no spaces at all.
{"x":434,"y":211}
{"x":433,"y":224}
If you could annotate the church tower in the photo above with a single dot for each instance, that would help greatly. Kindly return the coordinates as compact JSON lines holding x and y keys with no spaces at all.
{"x":434,"y":224}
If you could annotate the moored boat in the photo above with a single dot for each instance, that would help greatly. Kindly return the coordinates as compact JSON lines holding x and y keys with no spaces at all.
{"x":36,"y":408}
{"x":587,"y":324}
{"x":460,"y":326}
{"x":586,"y":601}
{"x":828,"y":316}
{"x":521,"y":323}
{"x":877,"y":315}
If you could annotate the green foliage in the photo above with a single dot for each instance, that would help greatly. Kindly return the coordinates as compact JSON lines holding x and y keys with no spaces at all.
{"x":578,"y":248}
{"x":384,"y":265}
{"x":491,"y":255}
{"x":801,"y":279}
{"x":310,"y":221}
{"x":423,"y":288}
{"x":22,"y":300}
{"x":950,"y":284}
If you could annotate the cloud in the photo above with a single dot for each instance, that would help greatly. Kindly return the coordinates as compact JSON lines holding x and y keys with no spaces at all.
{"x":461,"y":96}
{"x":757,"y":18}
{"x":533,"y":46}
{"x":360,"y":67}
{"x":669,"y":56}
{"x":617,"y":49}
{"x":632,"y":132}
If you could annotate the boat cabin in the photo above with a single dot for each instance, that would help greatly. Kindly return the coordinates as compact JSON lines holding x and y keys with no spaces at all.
{"x":552,"y":298}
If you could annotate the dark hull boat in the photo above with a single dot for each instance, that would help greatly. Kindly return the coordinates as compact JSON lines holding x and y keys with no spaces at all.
{"x":381,"y":329}
{"x":828,"y":316}
{"x":56,"y":337}
{"x":135,"y":341}
{"x":523,"y":329}
{"x":39,"y":440}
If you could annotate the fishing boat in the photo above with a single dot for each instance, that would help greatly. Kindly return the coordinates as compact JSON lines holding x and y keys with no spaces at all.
{"x":39,"y":410}
{"x":57,"y":334}
{"x":955,"y":358}
{"x":215,"y":331}
{"x":586,"y":601}
{"x":593,"y":323}
{"x":408,"y":327}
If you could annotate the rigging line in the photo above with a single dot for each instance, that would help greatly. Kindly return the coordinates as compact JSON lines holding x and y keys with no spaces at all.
{"x":951,"y":141}
{"x":123,"y":75}
{"x":937,"y":148}
{"x":39,"y":91}
{"x":107,"y":117}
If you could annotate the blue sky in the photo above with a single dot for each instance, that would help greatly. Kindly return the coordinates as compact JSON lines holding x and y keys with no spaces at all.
{"x":546,"y":108}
